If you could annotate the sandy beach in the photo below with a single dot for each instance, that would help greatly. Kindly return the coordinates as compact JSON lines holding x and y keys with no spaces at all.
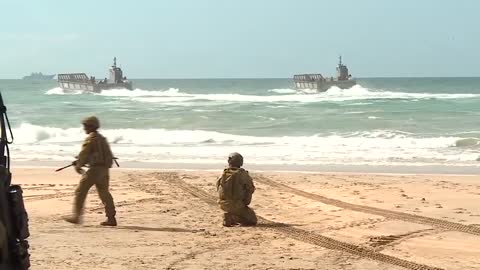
{"x":169,"y":220}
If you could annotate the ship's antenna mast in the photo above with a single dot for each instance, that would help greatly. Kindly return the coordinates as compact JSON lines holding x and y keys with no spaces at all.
{"x":340,"y":60}
{"x":114,"y":61}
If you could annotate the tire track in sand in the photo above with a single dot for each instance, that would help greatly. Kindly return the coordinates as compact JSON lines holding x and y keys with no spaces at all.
{"x":439,"y":223}
{"x":295,"y":233}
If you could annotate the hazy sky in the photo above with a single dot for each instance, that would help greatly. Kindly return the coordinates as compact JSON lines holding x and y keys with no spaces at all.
{"x":247,"y":38}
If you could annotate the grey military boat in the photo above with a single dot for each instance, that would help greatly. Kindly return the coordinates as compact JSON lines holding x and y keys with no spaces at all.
{"x":322,"y":84}
{"x":38,"y":76}
{"x":80,"y":81}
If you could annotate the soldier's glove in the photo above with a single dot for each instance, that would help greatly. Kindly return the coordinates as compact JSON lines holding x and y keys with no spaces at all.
{"x":79,"y":170}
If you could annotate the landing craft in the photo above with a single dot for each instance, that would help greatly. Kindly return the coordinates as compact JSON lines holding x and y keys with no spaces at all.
{"x":80,"y":81}
{"x":322,"y":84}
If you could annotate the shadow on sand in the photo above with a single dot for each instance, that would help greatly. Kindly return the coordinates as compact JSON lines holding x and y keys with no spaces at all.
{"x":142,"y":228}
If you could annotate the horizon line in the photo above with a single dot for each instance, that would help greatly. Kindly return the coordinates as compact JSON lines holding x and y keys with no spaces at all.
{"x":267,"y":78}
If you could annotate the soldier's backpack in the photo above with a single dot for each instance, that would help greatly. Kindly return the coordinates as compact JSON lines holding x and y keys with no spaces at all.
{"x":231,"y":186}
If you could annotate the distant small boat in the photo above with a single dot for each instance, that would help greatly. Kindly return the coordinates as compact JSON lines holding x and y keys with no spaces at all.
{"x":80,"y":81}
{"x":322,"y":84}
{"x":38,"y":76}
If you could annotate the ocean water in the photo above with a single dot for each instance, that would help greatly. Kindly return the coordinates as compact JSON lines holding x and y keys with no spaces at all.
{"x":384,"y":121}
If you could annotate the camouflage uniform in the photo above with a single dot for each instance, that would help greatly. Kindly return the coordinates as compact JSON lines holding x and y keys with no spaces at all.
{"x":235,"y":188}
{"x":97,"y":154}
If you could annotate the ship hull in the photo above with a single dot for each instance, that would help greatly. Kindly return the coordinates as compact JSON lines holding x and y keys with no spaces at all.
{"x":322,"y":86}
{"x":93,"y":87}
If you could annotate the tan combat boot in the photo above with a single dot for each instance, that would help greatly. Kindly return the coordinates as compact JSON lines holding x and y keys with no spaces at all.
{"x":111,"y":221}
{"x":228,"y":220}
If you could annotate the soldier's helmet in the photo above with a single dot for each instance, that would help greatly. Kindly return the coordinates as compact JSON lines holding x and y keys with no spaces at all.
{"x":91,"y":121}
{"x":235,"y":160}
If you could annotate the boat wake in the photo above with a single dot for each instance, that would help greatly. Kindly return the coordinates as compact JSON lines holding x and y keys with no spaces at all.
{"x":334,"y":94}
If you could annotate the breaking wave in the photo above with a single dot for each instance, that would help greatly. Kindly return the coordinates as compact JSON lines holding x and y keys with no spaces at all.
{"x":283,"y":91}
{"x":173,"y":92}
{"x":160,"y":145}
{"x":468,"y":142}
{"x":60,"y":91}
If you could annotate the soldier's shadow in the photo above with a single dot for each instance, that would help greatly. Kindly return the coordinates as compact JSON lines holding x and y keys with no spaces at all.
{"x":277,"y":225}
{"x":151,"y":229}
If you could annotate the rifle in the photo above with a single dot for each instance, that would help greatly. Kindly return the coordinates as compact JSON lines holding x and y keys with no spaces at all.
{"x":71,"y":164}
{"x":64,"y":167}
{"x":13,"y":215}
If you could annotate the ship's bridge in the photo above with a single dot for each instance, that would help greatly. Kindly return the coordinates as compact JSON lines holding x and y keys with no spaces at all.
{"x":342,"y":71}
{"x":116,"y":74}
